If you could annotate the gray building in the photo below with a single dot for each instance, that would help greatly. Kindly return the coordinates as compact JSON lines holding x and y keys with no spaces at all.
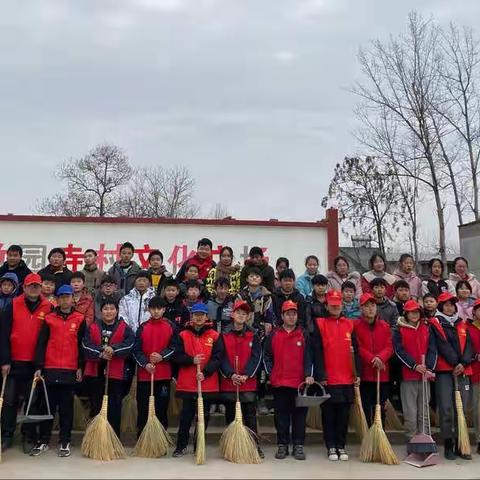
{"x":470,"y":245}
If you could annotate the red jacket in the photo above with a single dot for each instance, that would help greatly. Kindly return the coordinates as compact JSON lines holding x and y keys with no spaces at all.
{"x":62,"y":347}
{"x":373,"y":341}
{"x":193,"y":342}
{"x":474,"y":330}
{"x":287,"y":357}
{"x":122,"y":342}
{"x":204,"y":266}
{"x":245,"y":346}
{"x":85,"y":305}
{"x":154,"y":336}
{"x":25,"y":328}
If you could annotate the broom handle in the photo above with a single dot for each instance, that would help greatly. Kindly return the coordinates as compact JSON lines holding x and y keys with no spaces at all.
{"x":4,"y":382}
{"x":424,"y":396}
{"x":199,"y":383}
{"x":107,"y":371}
{"x":236,"y":371}
{"x":151,"y":384}
{"x":378,"y":386}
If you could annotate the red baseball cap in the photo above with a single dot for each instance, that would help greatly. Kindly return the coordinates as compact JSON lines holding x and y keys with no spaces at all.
{"x":32,"y":279}
{"x":241,"y":305}
{"x":289,"y":305}
{"x":447,"y":297}
{"x":366,"y":297}
{"x":334,"y":298}
{"x":411,"y":306}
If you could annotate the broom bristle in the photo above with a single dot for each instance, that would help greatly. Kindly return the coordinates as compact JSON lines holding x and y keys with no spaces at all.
{"x":130,"y":410}
{"x":154,"y":440}
{"x":392,"y":421}
{"x":237,"y":443}
{"x":175,"y":403}
{"x":80,"y":414}
{"x":375,"y":445}
{"x":314,"y":418}
{"x":100,"y":441}
{"x":463,"y":437}
{"x":358,"y":415}
{"x":200,"y":440}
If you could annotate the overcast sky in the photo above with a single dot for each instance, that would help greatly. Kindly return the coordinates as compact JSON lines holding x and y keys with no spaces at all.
{"x":250,"y":95}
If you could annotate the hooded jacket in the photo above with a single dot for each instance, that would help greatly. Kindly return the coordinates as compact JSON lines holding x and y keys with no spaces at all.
{"x":413,"y":280}
{"x":133,"y":307}
{"x":6,"y":300}
{"x":268,"y":274}
{"x":21,"y":271}
{"x":125,"y":281}
{"x":454,"y":278}
{"x":335,"y":282}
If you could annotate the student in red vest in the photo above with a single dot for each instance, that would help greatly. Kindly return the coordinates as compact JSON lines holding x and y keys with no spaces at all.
{"x":474,"y":331}
{"x":197,"y":344}
{"x":288,"y":362}
{"x":110,"y":340}
{"x":335,"y":349}
{"x":59,"y":359}
{"x":243,"y":355}
{"x":153,"y":351}
{"x":413,"y":342}
{"x":20,"y":327}
{"x":375,"y":350}
{"x":454,"y":360}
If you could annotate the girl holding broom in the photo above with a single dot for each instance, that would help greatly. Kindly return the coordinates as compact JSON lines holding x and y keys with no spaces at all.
{"x":334,"y":341}
{"x":413,"y":341}
{"x":111,"y":340}
{"x":197,"y":344}
{"x":453,"y":367}
{"x":243,"y":355}
{"x":152,"y":351}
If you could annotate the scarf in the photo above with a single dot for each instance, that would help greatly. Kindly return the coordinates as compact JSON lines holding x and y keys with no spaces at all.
{"x":451,"y":320}
{"x":221,"y":271}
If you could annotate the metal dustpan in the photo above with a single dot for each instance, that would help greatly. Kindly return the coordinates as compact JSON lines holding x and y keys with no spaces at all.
{"x":305,"y":400}
{"x":422,"y":459}
{"x":27,"y":417}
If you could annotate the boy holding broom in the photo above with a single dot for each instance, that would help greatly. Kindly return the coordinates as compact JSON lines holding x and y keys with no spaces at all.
{"x":59,"y":359}
{"x":197,"y":344}
{"x":288,"y":362}
{"x":335,"y":351}
{"x":152,"y":351}
{"x":415,"y":347}
{"x":243,"y":355}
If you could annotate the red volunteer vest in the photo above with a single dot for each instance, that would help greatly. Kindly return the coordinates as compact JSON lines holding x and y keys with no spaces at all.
{"x":474,"y":330}
{"x":195,"y":345}
{"x":415,"y":343}
{"x":62,"y":347}
{"x":238,"y":346}
{"x":117,"y":364}
{"x":26,"y":327}
{"x":156,"y":337}
{"x":461,"y":327}
{"x":337,"y":342}
{"x":288,"y":349}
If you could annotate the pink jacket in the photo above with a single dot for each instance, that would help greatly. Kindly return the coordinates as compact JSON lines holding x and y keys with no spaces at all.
{"x":453,"y":279}
{"x":413,"y":280}
{"x":335,"y":282}
{"x":464,"y":309}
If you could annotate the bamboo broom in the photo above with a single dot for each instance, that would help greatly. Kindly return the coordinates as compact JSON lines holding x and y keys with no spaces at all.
{"x":237,"y":443}
{"x":375,"y":445}
{"x":358,"y":414}
{"x":154,"y":439}
{"x":200,"y":438}
{"x":130,"y":409}
{"x":80,"y":414}
{"x":100,"y":441}
{"x":463,"y":436}
{"x":4,"y":382}
{"x":392,"y":420}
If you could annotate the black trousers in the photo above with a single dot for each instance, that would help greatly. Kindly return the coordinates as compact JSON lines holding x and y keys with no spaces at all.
{"x":289,"y":419}
{"x":116,"y":389}
{"x":161,"y":392}
{"x":189,"y":410}
{"x":368,"y":392}
{"x":249,"y":412}
{"x":61,"y":398}
{"x":17,"y":391}
{"x":335,"y":423}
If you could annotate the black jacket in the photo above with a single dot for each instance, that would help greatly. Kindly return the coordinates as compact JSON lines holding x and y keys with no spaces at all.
{"x":178,"y":313}
{"x":279,"y":297}
{"x":268,"y":275}
{"x":62,"y":277}
{"x":21,"y":271}
{"x":314,"y":309}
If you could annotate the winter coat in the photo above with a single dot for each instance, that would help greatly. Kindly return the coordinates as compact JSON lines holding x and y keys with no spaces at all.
{"x":336,"y":282}
{"x":86,"y":306}
{"x":387,"y":310}
{"x":204,"y":267}
{"x":260,"y":302}
{"x":435,"y":287}
{"x":233,"y":277}
{"x":21,"y":271}
{"x":125,"y":282}
{"x":314,"y":309}
{"x":465,"y":309}
{"x":268,"y":274}
{"x":93,"y":278}
{"x":133,"y":307}
{"x":6,"y":300}
{"x":100,"y":298}
{"x":474,"y":331}
{"x":177,"y":313}
{"x":164,"y":276}
{"x":62,"y":277}
{"x":367,"y":277}
{"x":413,"y":280}
{"x":352,"y":309}
{"x":279,"y":297}
{"x":453,"y":279}
{"x":220,"y":313}
{"x":304,"y":284}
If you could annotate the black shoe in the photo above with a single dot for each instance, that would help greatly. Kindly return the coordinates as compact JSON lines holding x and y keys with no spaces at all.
{"x":27,"y":445}
{"x":260,"y":453}
{"x":7,"y":442}
{"x":282,"y":452}
{"x":64,"y":450}
{"x":449,"y":453}
{"x":298,"y":452}
{"x":179,"y":452}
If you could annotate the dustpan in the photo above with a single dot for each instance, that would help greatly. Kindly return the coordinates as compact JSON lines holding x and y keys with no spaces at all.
{"x":422,"y":449}
{"x":27,"y":417}
{"x":305,"y":400}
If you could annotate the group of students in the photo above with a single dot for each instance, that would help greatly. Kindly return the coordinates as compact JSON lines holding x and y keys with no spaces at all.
{"x":247,"y":327}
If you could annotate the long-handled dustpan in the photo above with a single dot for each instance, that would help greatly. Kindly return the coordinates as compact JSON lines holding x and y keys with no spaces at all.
{"x":422,"y":449}
{"x":30,"y":418}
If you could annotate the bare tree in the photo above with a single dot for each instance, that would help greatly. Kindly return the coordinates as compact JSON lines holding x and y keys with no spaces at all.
{"x":93,"y":183}
{"x":219,"y":212}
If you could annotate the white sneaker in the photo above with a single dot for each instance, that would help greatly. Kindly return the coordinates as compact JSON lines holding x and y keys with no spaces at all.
{"x":332,"y":455}
{"x":342,"y":455}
